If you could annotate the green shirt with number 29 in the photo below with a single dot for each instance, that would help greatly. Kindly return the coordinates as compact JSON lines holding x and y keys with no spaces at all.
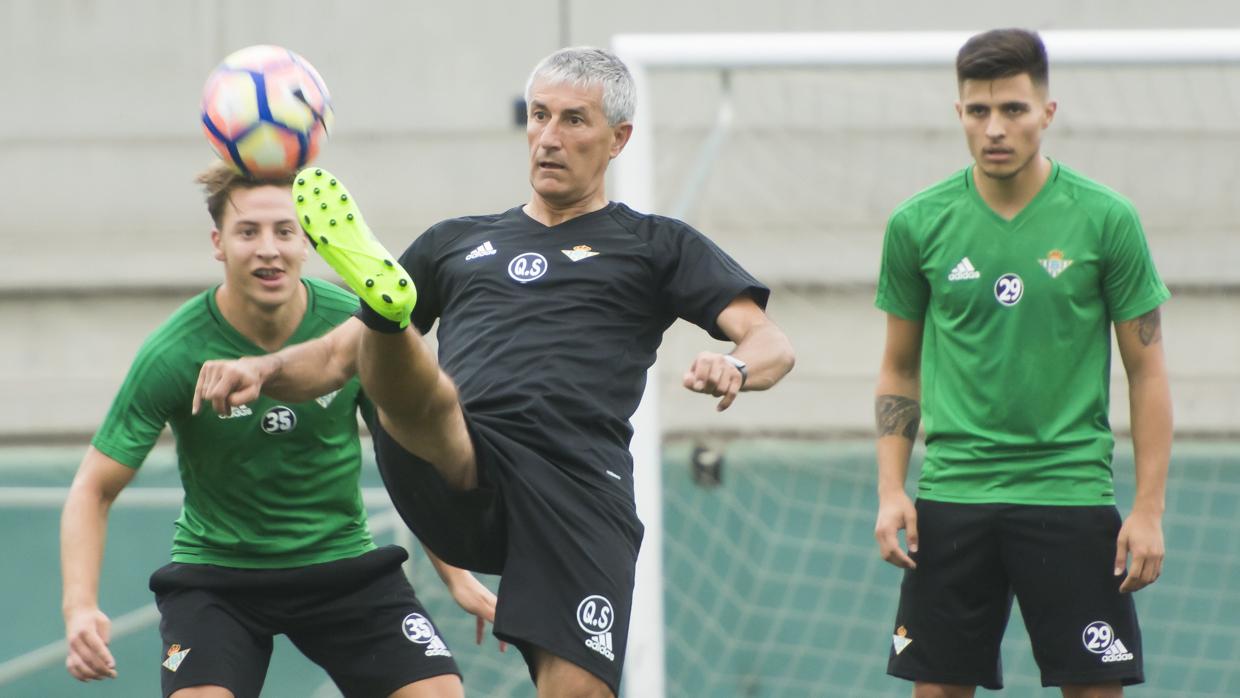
{"x":1016,"y":351}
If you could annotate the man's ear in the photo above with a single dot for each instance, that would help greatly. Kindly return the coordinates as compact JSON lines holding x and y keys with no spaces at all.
{"x":621,"y":133}
{"x":215,"y":242}
{"x":1048,"y":115}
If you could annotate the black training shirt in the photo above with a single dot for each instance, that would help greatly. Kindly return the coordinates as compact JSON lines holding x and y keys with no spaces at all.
{"x":548,"y":331}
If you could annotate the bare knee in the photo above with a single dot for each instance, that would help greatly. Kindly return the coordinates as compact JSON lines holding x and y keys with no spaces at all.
{"x":203,"y":692}
{"x":942,"y":690}
{"x":560,"y":678}
{"x":1101,"y":690}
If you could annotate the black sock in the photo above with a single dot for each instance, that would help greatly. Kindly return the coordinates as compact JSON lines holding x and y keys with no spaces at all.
{"x":377,"y":322}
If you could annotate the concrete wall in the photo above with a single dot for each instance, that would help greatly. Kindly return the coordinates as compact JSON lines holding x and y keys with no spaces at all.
{"x":105,"y":232}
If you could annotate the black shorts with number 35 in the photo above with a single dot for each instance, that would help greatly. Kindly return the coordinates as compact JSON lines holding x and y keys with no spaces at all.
{"x":357,"y":618}
{"x":1056,"y":560}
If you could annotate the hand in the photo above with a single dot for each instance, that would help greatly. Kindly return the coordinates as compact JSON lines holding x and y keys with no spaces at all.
{"x":87,"y":632}
{"x":895,"y":512}
{"x":477,"y":600}
{"x":1142,"y":536}
{"x":227,"y":384}
{"x":711,"y":374}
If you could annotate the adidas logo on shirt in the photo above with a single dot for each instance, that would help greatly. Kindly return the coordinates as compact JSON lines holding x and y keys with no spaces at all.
{"x":964,"y":271}
{"x":483,"y":250}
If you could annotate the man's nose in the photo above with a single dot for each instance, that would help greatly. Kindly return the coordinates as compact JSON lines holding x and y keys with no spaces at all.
{"x":267,"y":245}
{"x":994,"y":128}
{"x":549,"y":136}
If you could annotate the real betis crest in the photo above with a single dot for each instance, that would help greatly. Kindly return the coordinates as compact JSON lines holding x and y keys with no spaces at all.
{"x":176,"y":656}
{"x":579,"y":253}
{"x":326,"y":400}
{"x":1055,"y":264}
{"x":900,"y":639}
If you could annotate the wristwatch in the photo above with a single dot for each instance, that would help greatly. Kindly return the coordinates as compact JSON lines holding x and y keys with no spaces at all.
{"x":740,"y":366}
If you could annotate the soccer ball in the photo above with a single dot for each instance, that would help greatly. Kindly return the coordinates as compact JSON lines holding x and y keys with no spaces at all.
{"x":266,"y":111}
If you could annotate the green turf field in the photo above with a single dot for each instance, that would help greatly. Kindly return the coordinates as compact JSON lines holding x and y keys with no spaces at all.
{"x":772,"y":584}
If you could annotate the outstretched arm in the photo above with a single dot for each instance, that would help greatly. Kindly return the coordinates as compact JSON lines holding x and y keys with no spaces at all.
{"x":83,"y":528}
{"x":296,"y":374}
{"x":760,"y":343}
{"x":897,"y":414}
{"x":468,"y":593}
{"x":1149,"y":397}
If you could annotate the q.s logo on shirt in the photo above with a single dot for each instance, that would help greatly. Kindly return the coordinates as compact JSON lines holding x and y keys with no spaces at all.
{"x":527,"y":266}
{"x":279,"y":420}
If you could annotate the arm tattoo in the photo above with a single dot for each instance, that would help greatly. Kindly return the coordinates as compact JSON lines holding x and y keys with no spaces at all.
{"x":896,"y":414}
{"x":1149,"y":327}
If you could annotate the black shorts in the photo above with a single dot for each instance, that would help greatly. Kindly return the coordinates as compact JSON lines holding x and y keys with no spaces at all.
{"x":357,"y":618}
{"x":567,"y":551}
{"x":1057,"y":560}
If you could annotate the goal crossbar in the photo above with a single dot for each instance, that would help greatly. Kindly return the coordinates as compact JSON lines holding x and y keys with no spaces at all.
{"x":904,"y":49}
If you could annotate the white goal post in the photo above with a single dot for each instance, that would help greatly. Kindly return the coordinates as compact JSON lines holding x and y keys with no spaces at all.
{"x":633,"y":182}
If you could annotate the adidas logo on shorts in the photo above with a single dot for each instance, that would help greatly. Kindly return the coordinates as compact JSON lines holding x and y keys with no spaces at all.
{"x":595,"y":615}
{"x":602,"y":645}
{"x":1099,"y":638}
{"x":1116,"y":653}
{"x":437,"y":648}
{"x":418,"y":629}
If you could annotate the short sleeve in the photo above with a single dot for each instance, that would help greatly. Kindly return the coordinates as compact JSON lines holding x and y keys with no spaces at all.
{"x":701,"y":279}
{"x":143,"y":405}
{"x":1131,"y":285}
{"x":419,"y":261}
{"x":902,"y":288}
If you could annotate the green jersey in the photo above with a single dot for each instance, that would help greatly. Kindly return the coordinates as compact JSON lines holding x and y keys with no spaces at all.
{"x":271,"y":485}
{"x":1016,"y":351}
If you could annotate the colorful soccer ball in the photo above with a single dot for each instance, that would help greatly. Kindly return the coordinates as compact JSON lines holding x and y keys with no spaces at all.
{"x":266,"y":111}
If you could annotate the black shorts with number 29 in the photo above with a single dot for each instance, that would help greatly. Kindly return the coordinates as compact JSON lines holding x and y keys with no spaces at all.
{"x":1057,"y":560}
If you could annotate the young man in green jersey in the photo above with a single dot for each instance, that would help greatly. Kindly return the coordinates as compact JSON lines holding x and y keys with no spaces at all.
{"x":272,"y":538}
{"x":1000,"y":286}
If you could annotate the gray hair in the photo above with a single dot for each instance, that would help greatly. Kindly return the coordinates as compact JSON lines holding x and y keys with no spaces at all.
{"x":584,"y":66}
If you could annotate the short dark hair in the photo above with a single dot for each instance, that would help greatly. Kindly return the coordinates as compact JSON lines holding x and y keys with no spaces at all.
{"x":219,"y":181}
{"x":1003,"y":53}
